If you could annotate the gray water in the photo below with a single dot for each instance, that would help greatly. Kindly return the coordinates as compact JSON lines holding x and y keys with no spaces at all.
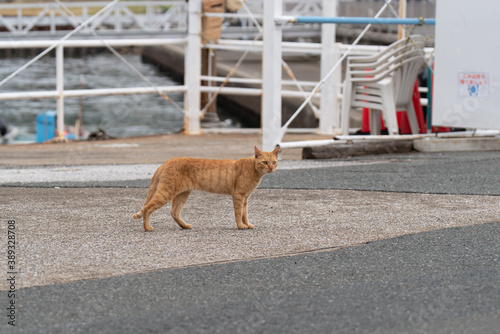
{"x":120,"y":116}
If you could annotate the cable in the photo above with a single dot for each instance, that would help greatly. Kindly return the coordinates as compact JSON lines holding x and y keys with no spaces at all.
{"x":322,"y":82}
{"x":130,"y":66}
{"x":53,"y":46}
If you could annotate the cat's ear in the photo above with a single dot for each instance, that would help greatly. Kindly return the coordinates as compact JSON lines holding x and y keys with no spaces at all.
{"x":258,"y":152}
{"x":276,"y":151}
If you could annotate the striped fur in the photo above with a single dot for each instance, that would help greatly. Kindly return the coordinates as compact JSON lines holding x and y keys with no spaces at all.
{"x":176,"y":178}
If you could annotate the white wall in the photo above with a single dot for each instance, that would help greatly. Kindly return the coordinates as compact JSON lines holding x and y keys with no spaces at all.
{"x":467,"y":64}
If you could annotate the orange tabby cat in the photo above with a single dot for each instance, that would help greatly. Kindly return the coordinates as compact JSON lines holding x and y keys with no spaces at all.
{"x":174,"y":180}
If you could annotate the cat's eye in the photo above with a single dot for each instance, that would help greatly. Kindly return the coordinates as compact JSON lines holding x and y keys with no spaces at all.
{"x":265,"y":162}
{"x":274,"y":162}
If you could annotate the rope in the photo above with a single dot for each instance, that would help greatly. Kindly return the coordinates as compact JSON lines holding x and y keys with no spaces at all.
{"x":228,"y":76}
{"x":409,"y":33}
{"x":286,"y":67}
{"x":233,"y":70}
{"x":53,"y":46}
{"x":322,"y":82}
{"x":126,"y":62}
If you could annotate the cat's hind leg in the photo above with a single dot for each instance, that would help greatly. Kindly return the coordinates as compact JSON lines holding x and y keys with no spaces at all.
{"x":177,"y":204}
{"x":157,"y":201}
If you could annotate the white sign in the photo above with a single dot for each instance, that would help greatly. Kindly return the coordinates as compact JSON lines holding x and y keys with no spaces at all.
{"x":466,"y":92}
{"x":473,"y":84}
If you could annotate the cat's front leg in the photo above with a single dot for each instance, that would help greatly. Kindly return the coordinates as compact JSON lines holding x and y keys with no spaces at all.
{"x":238,"y":204}
{"x":147,"y":226}
{"x":245,"y":214}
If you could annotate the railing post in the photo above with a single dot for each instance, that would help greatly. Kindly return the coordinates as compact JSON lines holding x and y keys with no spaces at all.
{"x":118,"y":21}
{"x":192,"y":69}
{"x":271,"y":76}
{"x":52,"y":16}
{"x":330,"y":108}
{"x":19,"y":20}
{"x":60,"y":88}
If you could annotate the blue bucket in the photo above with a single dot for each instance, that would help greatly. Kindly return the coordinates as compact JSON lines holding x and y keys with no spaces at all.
{"x":45,"y":126}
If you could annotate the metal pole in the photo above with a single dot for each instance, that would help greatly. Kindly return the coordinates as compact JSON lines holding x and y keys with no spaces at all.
{"x":330,"y":109}
{"x":271,"y":76}
{"x":374,"y":138}
{"x":429,"y":100}
{"x":60,"y":89}
{"x":355,"y":20}
{"x":193,"y":69}
{"x":19,"y":20}
{"x":52,"y":21}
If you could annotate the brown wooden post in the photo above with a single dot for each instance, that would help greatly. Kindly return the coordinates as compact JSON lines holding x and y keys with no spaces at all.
{"x":208,"y":63}
{"x":402,"y":14}
{"x":211,"y":31}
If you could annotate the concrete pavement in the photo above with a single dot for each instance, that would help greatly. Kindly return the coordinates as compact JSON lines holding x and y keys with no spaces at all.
{"x":386,"y":244}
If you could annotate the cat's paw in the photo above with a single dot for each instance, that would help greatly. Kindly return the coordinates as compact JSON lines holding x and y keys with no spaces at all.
{"x":149,"y":228}
{"x":250,"y":225}
{"x":187,"y":226}
{"x":242,"y":227}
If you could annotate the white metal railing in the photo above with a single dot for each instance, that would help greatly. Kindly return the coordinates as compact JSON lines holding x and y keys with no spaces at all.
{"x":59,"y":93}
{"x":133,"y":16}
{"x":329,"y":85}
{"x":126,"y":17}
{"x":43,"y":19}
{"x":265,"y":87}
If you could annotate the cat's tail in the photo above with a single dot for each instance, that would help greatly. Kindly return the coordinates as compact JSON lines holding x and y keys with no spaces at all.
{"x":151,"y":191}
{"x":138,"y":215}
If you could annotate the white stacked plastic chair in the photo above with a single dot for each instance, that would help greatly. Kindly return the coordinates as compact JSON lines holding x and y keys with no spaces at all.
{"x":384,"y":83}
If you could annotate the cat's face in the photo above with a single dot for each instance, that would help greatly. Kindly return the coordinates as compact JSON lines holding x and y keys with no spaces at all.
{"x":266,"y":162}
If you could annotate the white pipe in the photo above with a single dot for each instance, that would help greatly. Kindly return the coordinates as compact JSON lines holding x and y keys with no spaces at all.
{"x":91,"y":92}
{"x":370,"y":49}
{"x":256,"y":46}
{"x":60,"y":89}
{"x":477,"y":133}
{"x":310,"y":143}
{"x":256,"y":81}
{"x":371,"y":138}
{"x":125,"y":91}
{"x":80,"y":4}
{"x":291,"y":47}
{"x":232,"y":90}
{"x":90,"y":43}
{"x":192,"y":69}
{"x":233,"y":80}
{"x":251,"y":91}
{"x":271,"y":75}
{"x":356,"y":138}
{"x":232,"y":15}
{"x":294,"y":93}
{"x":258,"y":49}
{"x":28,"y":95}
{"x":329,"y":107}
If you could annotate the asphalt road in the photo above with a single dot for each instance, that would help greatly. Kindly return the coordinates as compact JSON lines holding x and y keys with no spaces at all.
{"x":437,"y":282}
{"x":470,"y":173}
{"x":444,"y":281}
